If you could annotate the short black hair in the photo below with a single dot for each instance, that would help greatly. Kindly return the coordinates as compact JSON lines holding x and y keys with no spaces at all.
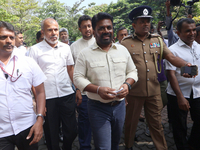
{"x":100,"y":16}
{"x":38,"y":35}
{"x":17,"y":32}
{"x":197,"y":30}
{"x":197,"y":24}
{"x":181,"y":21}
{"x":7,"y":25}
{"x":121,"y":28}
{"x":83,"y":18}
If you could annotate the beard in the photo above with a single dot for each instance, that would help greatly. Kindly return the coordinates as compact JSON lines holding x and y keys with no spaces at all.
{"x":106,"y":41}
{"x":64,"y":39}
{"x":50,"y":41}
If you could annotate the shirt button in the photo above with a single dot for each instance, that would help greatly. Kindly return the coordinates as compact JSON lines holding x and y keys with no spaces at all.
{"x":146,"y":61}
{"x":145,"y":52}
{"x":156,"y":51}
{"x":148,"y":79}
{"x":143,"y":44}
{"x":147,"y":70}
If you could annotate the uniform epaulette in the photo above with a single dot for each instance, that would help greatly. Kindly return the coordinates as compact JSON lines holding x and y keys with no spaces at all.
{"x":127,"y":37}
{"x":155,"y":35}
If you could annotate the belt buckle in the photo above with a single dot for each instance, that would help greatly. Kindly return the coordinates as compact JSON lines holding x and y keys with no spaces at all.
{"x":112,"y":103}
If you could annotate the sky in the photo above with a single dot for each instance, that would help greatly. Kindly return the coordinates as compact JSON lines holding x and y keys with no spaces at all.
{"x":86,"y":2}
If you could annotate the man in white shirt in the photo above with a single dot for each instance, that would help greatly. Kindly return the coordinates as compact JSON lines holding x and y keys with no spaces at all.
{"x":84,"y":130}
{"x":183,"y":93}
{"x":19,"y":125}
{"x":55,"y":60}
{"x":19,"y":40}
{"x":64,"y":36}
{"x":101,"y":69}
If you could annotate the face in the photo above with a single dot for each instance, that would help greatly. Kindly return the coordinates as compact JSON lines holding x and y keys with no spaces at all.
{"x":86,"y":29}
{"x":51,"y":31}
{"x":7,"y":40}
{"x":121,"y":34}
{"x":187,"y":33}
{"x":104,"y":32}
{"x":197,"y":39}
{"x":142,"y":26}
{"x":64,"y":36}
{"x":40,"y":39}
{"x":19,"y":40}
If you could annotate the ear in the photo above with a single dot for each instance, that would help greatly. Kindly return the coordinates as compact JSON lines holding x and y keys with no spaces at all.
{"x":178,"y":33}
{"x":79,"y":29}
{"x":42,"y":32}
{"x":133,"y":25}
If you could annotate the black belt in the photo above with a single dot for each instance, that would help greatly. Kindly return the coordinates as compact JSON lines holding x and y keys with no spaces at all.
{"x":113,"y":103}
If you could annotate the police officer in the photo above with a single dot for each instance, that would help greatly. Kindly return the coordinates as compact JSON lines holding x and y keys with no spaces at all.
{"x":144,"y":49}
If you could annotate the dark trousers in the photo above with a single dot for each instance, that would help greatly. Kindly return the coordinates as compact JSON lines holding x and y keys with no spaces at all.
{"x":60,"y":109}
{"x":84,"y":129}
{"x":9,"y":142}
{"x":179,"y":123}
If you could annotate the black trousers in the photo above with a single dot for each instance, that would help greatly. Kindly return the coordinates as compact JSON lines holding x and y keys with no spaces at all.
{"x":62,"y":110}
{"x":19,"y":140}
{"x":179,"y":123}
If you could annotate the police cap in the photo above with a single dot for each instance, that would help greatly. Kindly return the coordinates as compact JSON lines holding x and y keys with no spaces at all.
{"x":140,"y":12}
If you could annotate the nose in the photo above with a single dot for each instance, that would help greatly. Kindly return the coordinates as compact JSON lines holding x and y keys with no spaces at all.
{"x":8,"y":40}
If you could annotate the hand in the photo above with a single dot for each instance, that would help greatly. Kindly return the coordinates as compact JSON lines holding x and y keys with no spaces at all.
{"x":78,"y":97}
{"x":123,"y":92}
{"x":37,"y":130}
{"x":186,"y":75}
{"x":183,"y":104}
{"x":106,"y":93}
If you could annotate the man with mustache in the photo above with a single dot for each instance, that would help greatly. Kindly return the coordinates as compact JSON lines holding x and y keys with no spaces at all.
{"x":84,"y":130}
{"x":56,"y":61}
{"x":101,"y":70}
{"x":64,"y":36}
{"x":144,"y":49}
{"x":183,"y":93}
{"x":19,"y":125}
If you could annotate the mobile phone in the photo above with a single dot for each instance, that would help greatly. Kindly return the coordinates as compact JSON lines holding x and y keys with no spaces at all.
{"x":191,"y":70}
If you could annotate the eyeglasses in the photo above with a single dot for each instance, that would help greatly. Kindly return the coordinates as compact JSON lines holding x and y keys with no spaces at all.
{"x":11,"y":75}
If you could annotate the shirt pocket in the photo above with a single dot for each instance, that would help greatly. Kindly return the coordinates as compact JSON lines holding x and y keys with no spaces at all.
{"x":155,"y":51}
{"x":136,"y":56}
{"x":119,"y":66}
{"x":98,"y":71}
{"x":23,"y":82}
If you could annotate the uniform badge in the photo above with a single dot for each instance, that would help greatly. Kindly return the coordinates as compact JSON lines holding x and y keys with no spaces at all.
{"x":154,"y":45}
{"x":145,"y":12}
{"x":132,"y":45}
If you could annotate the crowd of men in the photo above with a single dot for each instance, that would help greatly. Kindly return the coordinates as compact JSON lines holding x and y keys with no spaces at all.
{"x":107,"y":83}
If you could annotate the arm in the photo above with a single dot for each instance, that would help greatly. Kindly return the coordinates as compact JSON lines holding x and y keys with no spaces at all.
{"x":37,"y":128}
{"x":176,"y":61}
{"x":182,"y":102}
{"x":70,"y":70}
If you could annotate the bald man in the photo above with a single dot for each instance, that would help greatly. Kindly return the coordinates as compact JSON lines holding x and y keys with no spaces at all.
{"x":55,"y":59}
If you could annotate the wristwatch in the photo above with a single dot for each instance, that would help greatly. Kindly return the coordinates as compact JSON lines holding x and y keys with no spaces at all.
{"x":129,"y":86}
{"x":40,"y":115}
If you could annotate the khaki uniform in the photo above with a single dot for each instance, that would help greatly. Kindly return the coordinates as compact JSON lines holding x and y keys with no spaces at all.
{"x":146,"y":91}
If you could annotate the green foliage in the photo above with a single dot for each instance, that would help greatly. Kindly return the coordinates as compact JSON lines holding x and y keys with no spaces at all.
{"x":26,"y":15}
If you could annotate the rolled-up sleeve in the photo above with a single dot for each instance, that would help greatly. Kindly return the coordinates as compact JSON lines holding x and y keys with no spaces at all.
{"x":79,"y":76}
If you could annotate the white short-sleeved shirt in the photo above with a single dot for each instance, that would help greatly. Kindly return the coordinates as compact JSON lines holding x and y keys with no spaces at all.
{"x":106,"y":69}
{"x":54,"y":62}
{"x":191,"y":55}
{"x":16,"y":107}
{"x":79,"y":45}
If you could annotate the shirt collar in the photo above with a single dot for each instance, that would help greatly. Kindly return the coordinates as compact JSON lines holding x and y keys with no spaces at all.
{"x":181,"y":43}
{"x":95,"y":46}
{"x":135,"y":35}
{"x":44,"y":43}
